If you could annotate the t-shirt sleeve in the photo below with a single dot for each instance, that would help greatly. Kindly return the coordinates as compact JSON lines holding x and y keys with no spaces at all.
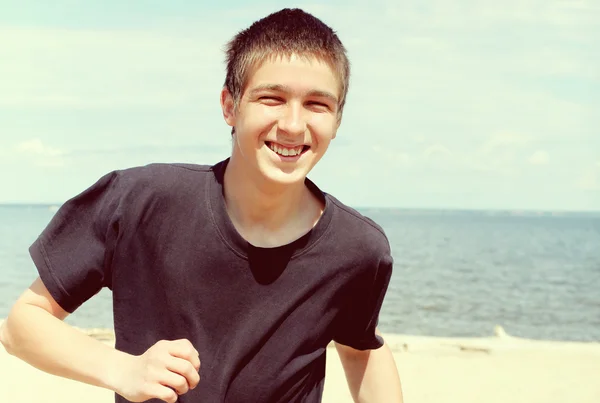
{"x":73,"y":253}
{"x":358,"y":322}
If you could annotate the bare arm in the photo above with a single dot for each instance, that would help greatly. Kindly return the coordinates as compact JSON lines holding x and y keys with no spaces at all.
{"x":372,"y":375}
{"x":35,"y":332}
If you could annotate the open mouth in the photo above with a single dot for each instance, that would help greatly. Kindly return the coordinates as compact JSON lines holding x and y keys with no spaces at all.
{"x":287,"y":151}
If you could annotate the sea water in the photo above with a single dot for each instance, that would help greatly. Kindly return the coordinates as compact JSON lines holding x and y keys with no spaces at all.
{"x":456,"y":273}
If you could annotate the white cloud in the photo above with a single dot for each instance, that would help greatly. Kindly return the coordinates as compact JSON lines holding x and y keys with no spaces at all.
{"x":76,"y":101}
{"x":482,"y":77}
{"x":36,"y":147}
{"x":539,"y":157}
{"x":392,"y":155}
{"x":589,"y":178}
{"x":498,"y":154}
{"x":588,"y":181}
{"x":86,"y":68}
{"x":496,"y":60}
{"x":504,"y":141}
{"x":419,"y":139}
{"x":40,"y":154}
{"x":437,"y":151}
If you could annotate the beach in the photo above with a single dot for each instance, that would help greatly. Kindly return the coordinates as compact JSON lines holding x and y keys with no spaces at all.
{"x":495,"y":369}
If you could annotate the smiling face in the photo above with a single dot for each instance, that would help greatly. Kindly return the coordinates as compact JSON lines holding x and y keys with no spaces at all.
{"x":285,"y":119}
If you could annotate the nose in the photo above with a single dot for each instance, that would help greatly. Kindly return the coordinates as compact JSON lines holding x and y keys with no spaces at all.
{"x":292,"y":120}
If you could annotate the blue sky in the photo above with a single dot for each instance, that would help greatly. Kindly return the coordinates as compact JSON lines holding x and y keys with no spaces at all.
{"x":470,"y":104}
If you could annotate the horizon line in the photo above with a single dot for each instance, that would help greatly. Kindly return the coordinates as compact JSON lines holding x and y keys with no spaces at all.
{"x":403,"y":208}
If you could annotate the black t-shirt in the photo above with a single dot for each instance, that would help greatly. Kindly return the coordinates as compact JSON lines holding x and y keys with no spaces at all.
{"x":261,"y":318}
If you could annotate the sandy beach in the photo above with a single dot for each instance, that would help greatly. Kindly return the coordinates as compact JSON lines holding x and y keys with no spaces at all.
{"x":497,"y":369}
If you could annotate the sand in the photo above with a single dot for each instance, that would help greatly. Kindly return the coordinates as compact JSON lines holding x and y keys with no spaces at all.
{"x":433,"y":370}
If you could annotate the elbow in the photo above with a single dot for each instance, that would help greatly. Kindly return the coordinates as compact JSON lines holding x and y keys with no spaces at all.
{"x":4,"y":337}
{"x":7,"y":333}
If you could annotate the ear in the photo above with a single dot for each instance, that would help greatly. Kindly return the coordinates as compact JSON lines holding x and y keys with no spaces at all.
{"x":227,"y":107}
{"x":337,"y":125}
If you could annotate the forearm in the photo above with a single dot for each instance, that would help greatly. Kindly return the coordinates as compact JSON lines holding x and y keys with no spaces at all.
{"x":47,"y":343}
{"x":372,"y":375}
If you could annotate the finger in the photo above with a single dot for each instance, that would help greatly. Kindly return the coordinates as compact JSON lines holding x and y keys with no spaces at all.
{"x":195,"y":361}
{"x":184,"y":367}
{"x":175,"y":381}
{"x":186,"y":345}
{"x":184,"y":349}
{"x":164,"y":393}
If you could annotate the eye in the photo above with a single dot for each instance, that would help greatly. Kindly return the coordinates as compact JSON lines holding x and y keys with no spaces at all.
{"x":270,"y":99}
{"x":319,"y":105}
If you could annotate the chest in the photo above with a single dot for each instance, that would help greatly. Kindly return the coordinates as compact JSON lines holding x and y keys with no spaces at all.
{"x":259,"y":320}
{"x":192,"y":277}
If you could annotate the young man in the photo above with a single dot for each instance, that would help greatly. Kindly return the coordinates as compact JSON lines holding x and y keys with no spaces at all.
{"x":245,"y":266}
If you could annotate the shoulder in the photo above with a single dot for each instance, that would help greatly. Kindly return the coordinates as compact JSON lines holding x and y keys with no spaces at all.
{"x":362,"y":244}
{"x":160,"y":178}
{"x":357,"y":229}
{"x":157,"y":174}
{"x":152,"y":186}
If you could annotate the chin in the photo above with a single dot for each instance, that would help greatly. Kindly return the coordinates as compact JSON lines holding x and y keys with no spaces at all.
{"x":284,"y":177}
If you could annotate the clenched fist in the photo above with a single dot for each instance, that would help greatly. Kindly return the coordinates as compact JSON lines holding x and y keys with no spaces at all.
{"x":167,"y":369}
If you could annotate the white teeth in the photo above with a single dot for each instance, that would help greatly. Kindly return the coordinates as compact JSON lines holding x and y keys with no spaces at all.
{"x":285,"y":151}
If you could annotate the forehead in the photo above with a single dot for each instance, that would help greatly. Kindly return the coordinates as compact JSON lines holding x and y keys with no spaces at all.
{"x":301,"y":73}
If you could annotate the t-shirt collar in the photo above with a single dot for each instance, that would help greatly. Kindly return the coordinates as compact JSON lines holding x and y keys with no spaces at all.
{"x":230,"y":235}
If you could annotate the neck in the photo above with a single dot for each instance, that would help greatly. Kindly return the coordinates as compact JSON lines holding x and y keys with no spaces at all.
{"x":267,"y":213}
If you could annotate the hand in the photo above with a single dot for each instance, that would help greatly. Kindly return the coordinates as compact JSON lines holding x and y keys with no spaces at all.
{"x":164,"y":371}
